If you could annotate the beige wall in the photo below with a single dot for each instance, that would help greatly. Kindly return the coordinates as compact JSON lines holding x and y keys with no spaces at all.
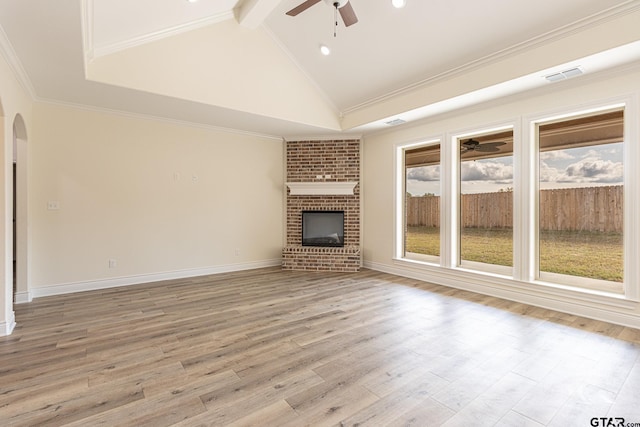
{"x":14,"y":101}
{"x":224,"y":65}
{"x":379,"y":178}
{"x":162,"y":199}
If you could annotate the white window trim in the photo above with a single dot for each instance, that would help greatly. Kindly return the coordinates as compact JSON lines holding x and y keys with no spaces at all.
{"x":454,"y":195}
{"x":632,"y":198}
{"x":400,"y":191}
{"x":631,"y":190}
{"x":525,"y":201}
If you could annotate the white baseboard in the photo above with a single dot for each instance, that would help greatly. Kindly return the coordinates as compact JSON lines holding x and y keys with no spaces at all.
{"x":7,"y":327}
{"x":23,"y":297}
{"x":68,"y":288}
{"x":609,"y":309}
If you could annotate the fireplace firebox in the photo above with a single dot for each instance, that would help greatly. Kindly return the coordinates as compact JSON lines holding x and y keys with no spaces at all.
{"x":323,"y":228}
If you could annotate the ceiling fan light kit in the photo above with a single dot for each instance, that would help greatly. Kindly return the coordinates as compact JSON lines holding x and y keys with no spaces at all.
{"x":336,"y":3}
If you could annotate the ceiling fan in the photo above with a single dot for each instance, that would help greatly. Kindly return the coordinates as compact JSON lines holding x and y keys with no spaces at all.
{"x":343,"y":6}
{"x":473,"y":145}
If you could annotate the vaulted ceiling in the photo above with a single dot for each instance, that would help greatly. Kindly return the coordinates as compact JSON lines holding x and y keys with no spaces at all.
{"x":246,"y":65}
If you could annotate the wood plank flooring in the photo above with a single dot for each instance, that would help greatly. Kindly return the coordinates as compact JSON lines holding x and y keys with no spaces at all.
{"x":281,"y":348}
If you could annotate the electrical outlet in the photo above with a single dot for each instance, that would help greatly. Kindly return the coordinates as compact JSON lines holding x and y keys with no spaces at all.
{"x":53,"y":205}
{"x":113,"y":263}
{"x":237,"y":251}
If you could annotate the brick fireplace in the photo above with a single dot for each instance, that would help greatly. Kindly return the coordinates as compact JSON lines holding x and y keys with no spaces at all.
{"x":323,"y":176}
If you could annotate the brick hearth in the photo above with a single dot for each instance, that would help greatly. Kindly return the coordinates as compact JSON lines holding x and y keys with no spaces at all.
{"x":333,"y":161}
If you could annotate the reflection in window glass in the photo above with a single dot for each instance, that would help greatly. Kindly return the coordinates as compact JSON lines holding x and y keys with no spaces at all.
{"x":581,"y":201}
{"x":422,"y":203}
{"x":486,"y":199}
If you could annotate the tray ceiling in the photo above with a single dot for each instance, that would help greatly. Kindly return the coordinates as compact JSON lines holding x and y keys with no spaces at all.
{"x":95,"y":53}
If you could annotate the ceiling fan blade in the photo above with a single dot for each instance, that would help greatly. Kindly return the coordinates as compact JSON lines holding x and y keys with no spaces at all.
{"x":490,"y":146}
{"x":469,"y":145}
{"x":348,"y":15}
{"x":302,"y":7}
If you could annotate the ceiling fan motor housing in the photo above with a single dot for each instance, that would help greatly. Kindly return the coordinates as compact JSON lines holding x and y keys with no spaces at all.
{"x":340,"y":3}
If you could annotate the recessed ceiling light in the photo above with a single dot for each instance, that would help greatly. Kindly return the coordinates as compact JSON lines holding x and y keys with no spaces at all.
{"x":398,"y":3}
{"x":192,"y":1}
{"x":325,"y":50}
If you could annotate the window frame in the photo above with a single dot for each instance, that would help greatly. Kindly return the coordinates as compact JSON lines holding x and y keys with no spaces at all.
{"x":456,"y":261}
{"x":400,"y":214}
{"x":631,"y":206}
{"x":525,"y":204}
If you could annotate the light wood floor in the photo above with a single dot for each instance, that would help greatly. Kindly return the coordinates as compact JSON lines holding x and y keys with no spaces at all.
{"x":280,"y":348}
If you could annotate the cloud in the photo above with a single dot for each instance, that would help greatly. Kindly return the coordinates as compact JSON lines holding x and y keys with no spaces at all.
{"x":556,"y":155}
{"x":548,"y":173}
{"x":588,"y":170}
{"x":424,"y":173}
{"x":592,"y":169}
{"x":486,"y":171}
{"x":592,"y":154}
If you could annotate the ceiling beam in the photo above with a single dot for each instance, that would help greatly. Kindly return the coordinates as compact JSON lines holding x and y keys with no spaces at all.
{"x":252,"y":13}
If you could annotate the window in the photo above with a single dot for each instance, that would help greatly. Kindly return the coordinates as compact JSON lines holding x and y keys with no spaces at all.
{"x":422,"y":203}
{"x":580,"y":201}
{"x":486,"y":201}
{"x":550,"y":203}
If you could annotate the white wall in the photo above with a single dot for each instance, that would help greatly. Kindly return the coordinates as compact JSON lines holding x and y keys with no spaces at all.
{"x":379,"y":178}
{"x":162,"y":199}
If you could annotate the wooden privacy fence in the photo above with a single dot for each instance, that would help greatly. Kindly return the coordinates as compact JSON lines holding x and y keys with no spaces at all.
{"x":566,"y":209}
{"x":487,"y":210}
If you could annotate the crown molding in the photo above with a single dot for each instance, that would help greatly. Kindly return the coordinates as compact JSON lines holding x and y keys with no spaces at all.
{"x":557,"y":34}
{"x":93,"y":51}
{"x":326,"y":137}
{"x":86,"y":27}
{"x":10,"y":56}
{"x":149,"y":117}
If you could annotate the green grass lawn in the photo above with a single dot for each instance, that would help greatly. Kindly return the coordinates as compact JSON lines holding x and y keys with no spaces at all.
{"x":585,"y":254}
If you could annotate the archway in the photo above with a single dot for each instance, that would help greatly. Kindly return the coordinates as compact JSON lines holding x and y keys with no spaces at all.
{"x":7,"y":316}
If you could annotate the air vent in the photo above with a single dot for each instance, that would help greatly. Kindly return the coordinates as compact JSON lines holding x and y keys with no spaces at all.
{"x":395,"y":122}
{"x":566,"y":74}
{"x":572,"y":72}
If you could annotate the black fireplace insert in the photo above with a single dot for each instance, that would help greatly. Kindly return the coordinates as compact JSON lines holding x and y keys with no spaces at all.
{"x":323,"y":228}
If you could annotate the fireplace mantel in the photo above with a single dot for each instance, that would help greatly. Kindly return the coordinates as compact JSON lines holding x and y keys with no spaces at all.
{"x":326,"y":188}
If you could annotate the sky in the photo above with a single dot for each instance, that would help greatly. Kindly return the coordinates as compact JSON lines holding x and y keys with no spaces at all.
{"x":570,"y":168}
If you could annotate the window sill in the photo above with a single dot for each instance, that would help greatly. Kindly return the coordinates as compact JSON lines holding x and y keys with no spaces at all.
{"x":456,"y":276}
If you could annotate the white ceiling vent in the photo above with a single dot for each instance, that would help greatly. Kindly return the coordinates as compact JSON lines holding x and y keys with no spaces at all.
{"x":566,"y":74}
{"x":395,"y":122}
